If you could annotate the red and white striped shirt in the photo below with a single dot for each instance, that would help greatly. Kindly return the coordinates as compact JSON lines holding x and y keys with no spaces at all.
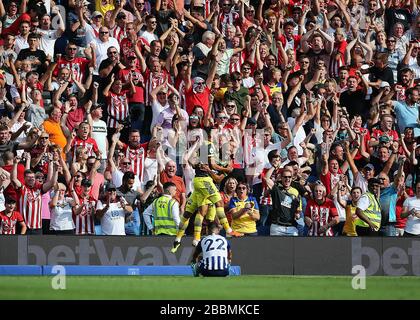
{"x":231,"y":18}
{"x":236,"y":62}
{"x":137,"y":156}
{"x":118,"y":33}
{"x":76,"y":65}
{"x":117,"y":108}
{"x":85,"y":220}
{"x":30,"y":205}
{"x":89,"y":144}
{"x":153,"y":80}
{"x":8,"y":224}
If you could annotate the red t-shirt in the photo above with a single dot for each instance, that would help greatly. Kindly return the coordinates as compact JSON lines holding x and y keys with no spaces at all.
{"x":197,"y":99}
{"x":329,"y":180}
{"x":8,"y":224}
{"x":75,"y":117}
{"x":10,"y":190}
{"x":138,"y":97}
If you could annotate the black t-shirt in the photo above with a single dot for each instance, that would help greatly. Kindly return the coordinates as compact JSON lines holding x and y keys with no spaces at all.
{"x":296,"y":100}
{"x":385,"y":74}
{"x":27,"y":54}
{"x":379,"y":166}
{"x":285,"y":206}
{"x":105,"y":64}
{"x":354,"y":102}
{"x":394,"y":15}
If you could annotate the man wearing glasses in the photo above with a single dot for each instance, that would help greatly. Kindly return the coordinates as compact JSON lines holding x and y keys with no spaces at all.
{"x":286,"y":205}
{"x":77,"y":65}
{"x":102,"y":44}
{"x":150,"y":33}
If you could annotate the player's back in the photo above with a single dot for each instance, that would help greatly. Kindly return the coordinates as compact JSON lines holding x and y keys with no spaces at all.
{"x":215,"y":250}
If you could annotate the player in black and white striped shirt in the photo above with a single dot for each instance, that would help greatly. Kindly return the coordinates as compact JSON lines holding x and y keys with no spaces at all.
{"x":212,"y":255}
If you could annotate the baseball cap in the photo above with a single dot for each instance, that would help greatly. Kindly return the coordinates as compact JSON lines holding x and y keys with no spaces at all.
{"x":369,"y":166}
{"x":86,"y":183}
{"x":384,"y":84}
{"x":96,"y":14}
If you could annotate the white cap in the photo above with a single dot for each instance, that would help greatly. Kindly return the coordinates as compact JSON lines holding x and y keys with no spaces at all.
{"x":384,"y":84}
{"x":364,"y":67}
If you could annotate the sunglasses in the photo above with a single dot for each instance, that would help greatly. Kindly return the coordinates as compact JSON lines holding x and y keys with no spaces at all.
{"x":226,"y":5}
{"x":42,"y":138}
{"x":126,"y":163}
{"x":223,"y":118}
{"x":234,"y":119}
{"x":72,"y":49}
{"x":241,"y":188}
{"x":230,"y":106}
{"x":287,"y":177}
{"x":103,"y":32}
{"x":113,"y":52}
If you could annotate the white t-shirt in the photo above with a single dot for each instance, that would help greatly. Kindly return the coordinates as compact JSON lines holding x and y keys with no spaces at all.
{"x":363,"y":202}
{"x":300,"y":134}
{"x":47,"y":42}
{"x":361,"y":182}
{"x":149,"y":36}
{"x":157,"y":108}
{"x":150,"y":170}
{"x":413,"y":223}
{"x":101,"y":48}
{"x":117,"y":176}
{"x":113,"y":221}
{"x":62,"y":215}
{"x":99,"y":133}
{"x":20,"y":43}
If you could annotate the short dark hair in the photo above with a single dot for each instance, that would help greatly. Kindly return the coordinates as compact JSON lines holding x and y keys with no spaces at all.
{"x":28,"y":171}
{"x":168,"y":185}
{"x":128,"y":176}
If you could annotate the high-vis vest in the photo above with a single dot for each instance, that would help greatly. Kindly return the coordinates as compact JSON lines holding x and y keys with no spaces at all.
{"x":373,"y":212}
{"x":164,"y":218}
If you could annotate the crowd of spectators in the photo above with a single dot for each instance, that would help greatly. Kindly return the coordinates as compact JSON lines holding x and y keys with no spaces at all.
{"x":304,"y":114}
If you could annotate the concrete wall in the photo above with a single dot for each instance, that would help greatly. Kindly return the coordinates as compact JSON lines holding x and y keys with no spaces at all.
{"x":256,"y":255}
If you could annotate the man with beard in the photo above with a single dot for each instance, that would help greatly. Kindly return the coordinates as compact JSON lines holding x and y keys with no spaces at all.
{"x":407,"y":112}
{"x":77,"y":65}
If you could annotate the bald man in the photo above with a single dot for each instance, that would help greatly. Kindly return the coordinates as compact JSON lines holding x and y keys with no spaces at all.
{"x":168,"y":175}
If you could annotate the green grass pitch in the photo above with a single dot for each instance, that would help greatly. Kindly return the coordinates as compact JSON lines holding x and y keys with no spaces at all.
{"x":190,"y":288}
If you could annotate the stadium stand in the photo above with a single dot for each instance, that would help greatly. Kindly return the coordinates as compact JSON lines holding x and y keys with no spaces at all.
{"x":150,"y":117}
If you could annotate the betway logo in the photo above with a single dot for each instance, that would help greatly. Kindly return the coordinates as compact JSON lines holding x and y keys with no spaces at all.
{"x":95,"y":249}
{"x":394,"y":261}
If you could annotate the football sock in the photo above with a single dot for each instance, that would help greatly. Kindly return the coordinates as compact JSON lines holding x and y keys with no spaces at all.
{"x":183,"y":224}
{"x":198,"y":222}
{"x":220,"y":213}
